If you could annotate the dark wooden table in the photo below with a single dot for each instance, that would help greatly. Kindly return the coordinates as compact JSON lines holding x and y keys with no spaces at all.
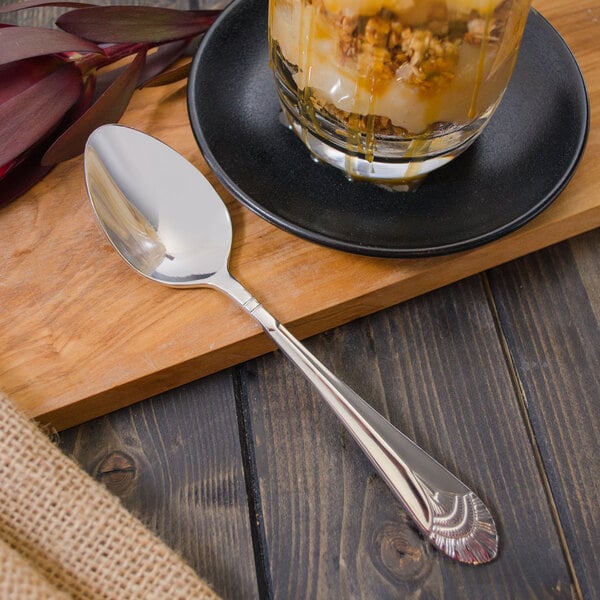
{"x":248,"y":475}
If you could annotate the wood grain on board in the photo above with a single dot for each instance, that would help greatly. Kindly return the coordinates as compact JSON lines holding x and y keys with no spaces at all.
{"x":83,"y":335}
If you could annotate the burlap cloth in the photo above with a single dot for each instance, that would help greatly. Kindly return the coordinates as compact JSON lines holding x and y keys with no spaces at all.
{"x":63,"y":535}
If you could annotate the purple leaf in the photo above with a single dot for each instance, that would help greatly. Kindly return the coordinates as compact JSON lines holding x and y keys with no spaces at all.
{"x":85,"y":100}
{"x":136,"y":23}
{"x":33,"y":3}
{"x":24,"y":176}
{"x":31,"y":114}
{"x":17,"y":77}
{"x":158,"y":61}
{"x":175,"y":74}
{"x":4,"y":169}
{"x":17,"y":43}
{"x":108,"y":108}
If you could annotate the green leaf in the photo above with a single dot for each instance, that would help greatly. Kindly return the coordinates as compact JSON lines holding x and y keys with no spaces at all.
{"x":17,"y":43}
{"x":108,"y":108}
{"x":136,"y":23}
{"x":37,"y":109}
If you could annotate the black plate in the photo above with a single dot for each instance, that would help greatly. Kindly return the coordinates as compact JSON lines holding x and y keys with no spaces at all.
{"x":520,"y":163}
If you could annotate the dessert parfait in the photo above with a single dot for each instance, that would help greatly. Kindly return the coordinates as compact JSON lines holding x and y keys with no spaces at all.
{"x":390,"y":89}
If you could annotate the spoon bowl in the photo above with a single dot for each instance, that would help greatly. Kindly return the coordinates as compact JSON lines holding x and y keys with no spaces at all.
{"x":168,"y":223}
{"x":179,"y":240}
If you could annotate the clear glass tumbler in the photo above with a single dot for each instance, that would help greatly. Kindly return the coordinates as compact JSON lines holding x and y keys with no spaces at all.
{"x":388,"y":90}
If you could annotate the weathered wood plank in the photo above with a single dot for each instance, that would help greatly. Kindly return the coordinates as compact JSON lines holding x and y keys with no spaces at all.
{"x":175,"y":462}
{"x":549,"y":306}
{"x":435,"y":367}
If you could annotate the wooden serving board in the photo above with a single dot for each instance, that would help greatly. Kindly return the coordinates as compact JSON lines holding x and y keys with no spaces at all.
{"x":82,"y":335}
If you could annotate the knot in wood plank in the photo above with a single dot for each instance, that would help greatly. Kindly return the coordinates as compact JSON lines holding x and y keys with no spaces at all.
{"x":402,"y":552}
{"x":117,"y":472}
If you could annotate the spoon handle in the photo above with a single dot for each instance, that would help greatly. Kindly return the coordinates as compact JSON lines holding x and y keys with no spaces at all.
{"x":453,"y":518}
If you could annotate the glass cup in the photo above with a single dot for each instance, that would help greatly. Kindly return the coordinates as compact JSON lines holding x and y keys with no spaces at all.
{"x":389,"y":90}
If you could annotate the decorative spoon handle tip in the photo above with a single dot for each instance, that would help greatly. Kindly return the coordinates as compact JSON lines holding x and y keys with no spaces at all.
{"x":463,"y":528}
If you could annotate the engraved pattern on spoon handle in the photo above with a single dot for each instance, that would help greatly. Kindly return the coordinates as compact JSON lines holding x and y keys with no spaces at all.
{"x":453,"y":518}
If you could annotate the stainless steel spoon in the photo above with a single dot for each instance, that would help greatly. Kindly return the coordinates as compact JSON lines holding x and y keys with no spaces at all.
{"x":166,"y":220}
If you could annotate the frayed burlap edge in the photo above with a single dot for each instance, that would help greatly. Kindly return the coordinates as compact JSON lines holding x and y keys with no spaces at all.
{"x":63,"y":535}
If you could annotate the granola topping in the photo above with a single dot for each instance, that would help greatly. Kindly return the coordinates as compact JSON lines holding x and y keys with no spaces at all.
{"x":408,"y":64}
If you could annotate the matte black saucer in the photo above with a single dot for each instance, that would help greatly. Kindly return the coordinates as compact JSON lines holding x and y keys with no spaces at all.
{"x":516,"y":168}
